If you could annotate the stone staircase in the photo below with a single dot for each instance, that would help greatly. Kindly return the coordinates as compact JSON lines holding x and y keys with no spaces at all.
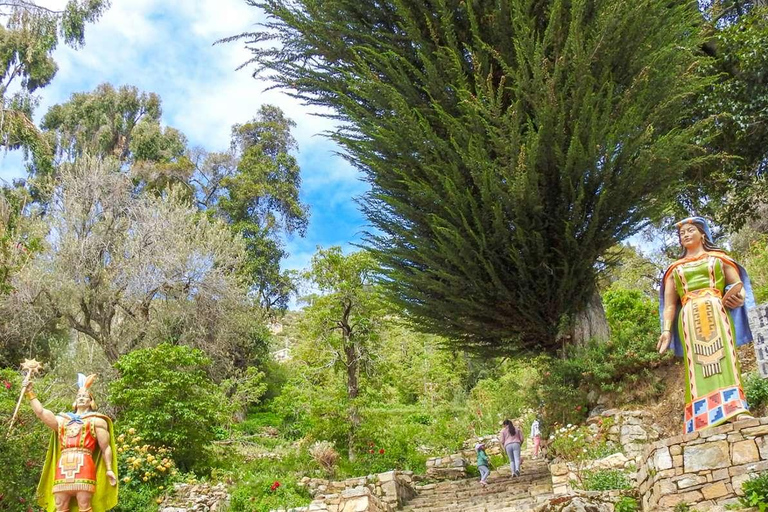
{"x":503,"y":493}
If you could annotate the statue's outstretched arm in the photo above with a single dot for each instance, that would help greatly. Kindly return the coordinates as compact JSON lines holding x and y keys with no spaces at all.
{"x":41,"y":412}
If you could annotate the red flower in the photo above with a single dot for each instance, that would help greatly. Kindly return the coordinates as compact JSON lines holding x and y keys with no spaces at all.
{"x":7,"y":384}
{"x":370,"y":451}
{"x":578,"y":407}
{"x":381,"y":451}
{"x":274,"y":486}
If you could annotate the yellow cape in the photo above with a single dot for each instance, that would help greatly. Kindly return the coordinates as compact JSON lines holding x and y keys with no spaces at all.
{"x":105,"y":496}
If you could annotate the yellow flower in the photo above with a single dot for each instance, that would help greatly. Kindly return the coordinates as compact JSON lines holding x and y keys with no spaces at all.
{"x":131,"y":431}
{"x":161,"y":469}
{"x":160,"y":488}
{"x":127,"y":479}
{"x":121,"y":438}
{"x":159,"y":500}
{"x":145,"y":478}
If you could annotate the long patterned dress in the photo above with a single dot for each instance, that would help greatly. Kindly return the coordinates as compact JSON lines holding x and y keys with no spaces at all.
{"x":714,"y":391}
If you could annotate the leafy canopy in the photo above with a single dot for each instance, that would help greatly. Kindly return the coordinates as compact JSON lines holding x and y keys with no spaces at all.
{"x":508,"y":144}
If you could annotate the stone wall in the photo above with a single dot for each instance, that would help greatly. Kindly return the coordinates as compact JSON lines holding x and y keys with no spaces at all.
{"x":631,"y":430}
{"x":196,"y":498}
{"x":703,"y":468}
{"x":454,"y":466}
{"x":349,"y":500}
{"x":564,"y":474}
{"x":383,"y":492}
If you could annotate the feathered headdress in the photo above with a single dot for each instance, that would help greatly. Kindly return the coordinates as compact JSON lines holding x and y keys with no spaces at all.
{"x":85,"y":383}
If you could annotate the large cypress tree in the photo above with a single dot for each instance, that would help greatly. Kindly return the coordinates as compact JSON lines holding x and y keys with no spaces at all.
{"x":508,"y":143}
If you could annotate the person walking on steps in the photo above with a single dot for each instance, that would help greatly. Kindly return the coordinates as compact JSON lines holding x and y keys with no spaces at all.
{"x":536,"y":437}
{"x":510,"y":438}
{"x":482,"y":463}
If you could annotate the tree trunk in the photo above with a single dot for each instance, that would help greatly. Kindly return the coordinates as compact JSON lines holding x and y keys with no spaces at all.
{"x":591,"y":323}
{"x":353,"y":391}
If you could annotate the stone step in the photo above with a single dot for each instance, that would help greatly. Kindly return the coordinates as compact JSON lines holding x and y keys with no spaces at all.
{"x":504,"y":493}
{"x":519,"y":505}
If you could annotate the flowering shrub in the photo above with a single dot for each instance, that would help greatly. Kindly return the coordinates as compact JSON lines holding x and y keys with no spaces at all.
{"x":574,"y":443}
{"x":141,"y":464}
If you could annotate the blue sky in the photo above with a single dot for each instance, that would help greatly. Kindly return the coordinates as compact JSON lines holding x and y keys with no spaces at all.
{"x":167,"y":48}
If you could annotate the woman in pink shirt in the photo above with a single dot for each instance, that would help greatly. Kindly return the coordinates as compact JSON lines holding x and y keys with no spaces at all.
{"x":510,"y":438}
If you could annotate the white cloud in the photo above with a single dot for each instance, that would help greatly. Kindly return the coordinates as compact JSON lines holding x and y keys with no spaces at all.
{"x":167,"y":48}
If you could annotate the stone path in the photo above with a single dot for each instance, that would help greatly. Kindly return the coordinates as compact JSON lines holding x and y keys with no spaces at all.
{"x":503,"y":494}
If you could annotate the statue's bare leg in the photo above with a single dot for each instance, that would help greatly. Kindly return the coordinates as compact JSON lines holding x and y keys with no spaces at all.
{"x":61,"y":500}
{"x":84,"y":501}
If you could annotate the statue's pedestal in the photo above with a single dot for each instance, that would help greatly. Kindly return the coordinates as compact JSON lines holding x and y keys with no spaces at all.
{"x":703,"y":468}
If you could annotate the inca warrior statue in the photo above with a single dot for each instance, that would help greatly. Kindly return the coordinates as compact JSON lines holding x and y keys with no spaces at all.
{"x":80,"y":467}
{"x":704,"y":300}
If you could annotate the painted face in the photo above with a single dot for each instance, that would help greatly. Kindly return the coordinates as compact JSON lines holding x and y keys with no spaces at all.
{"x":83,"y":398}
{"x":690,"y":236}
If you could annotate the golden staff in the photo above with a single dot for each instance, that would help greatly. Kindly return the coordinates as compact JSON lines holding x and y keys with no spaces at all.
{"x":32,"y":367}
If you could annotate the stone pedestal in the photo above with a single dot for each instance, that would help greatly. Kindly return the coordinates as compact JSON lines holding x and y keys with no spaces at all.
{"x":705,"y":469}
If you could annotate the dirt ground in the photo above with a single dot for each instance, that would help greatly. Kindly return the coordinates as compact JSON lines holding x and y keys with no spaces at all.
{"x":667,"y":409}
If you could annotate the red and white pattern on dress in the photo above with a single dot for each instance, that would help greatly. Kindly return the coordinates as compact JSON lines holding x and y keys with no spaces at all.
{"x":75,"y":469}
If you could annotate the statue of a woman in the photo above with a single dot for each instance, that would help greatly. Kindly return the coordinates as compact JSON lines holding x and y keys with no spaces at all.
{"x":704,"y":319}
{"x":81,"y":462}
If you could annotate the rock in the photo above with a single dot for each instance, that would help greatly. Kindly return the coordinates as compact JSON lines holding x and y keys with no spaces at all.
{"x":744,"y":452}
{"x":662,"y":459}
{"x":712,"y":491}
{"x":706,"y":456}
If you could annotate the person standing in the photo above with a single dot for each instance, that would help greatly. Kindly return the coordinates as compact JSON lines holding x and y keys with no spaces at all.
{"x":482,"y":463}
{"x":510,"y":438}
{"x":536,"y":437}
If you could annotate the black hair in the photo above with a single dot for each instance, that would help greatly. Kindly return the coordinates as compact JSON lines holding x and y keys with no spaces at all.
{"x":510,"y":427}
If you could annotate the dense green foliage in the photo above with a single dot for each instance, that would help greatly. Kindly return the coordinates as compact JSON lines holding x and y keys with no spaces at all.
{"x":605,"y":480}
{"x":23,"y":449}
{"x":737,"y":35}
{"x":616,"y":366}
{"x":756,"y":391}
{"x":756,"y":492}
{"x":626,"y":504}
{"x":261,"y":201}
{"x":508,"y":144}
{"x":123,"y":123}
{"x":29,"y":35}
{"x":165,"y":394}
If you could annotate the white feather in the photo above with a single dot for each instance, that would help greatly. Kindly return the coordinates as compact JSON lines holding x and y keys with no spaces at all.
{"x":80,"y":380}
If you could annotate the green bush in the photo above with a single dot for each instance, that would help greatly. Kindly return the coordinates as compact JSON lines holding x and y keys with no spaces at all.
{"x":626,"y":504}
{"x":756,"y":390}
{"x":23,"y":451}
{"x":266,"y":491}
{"x":165,"y":394}
{"x":756,"y":492}
{"x":604,"y":480}
{"x":615,"y":366}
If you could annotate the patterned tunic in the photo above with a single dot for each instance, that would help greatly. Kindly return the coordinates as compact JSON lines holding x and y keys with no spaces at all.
{"x":713,"y":379}
{"x":76,"y":470}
